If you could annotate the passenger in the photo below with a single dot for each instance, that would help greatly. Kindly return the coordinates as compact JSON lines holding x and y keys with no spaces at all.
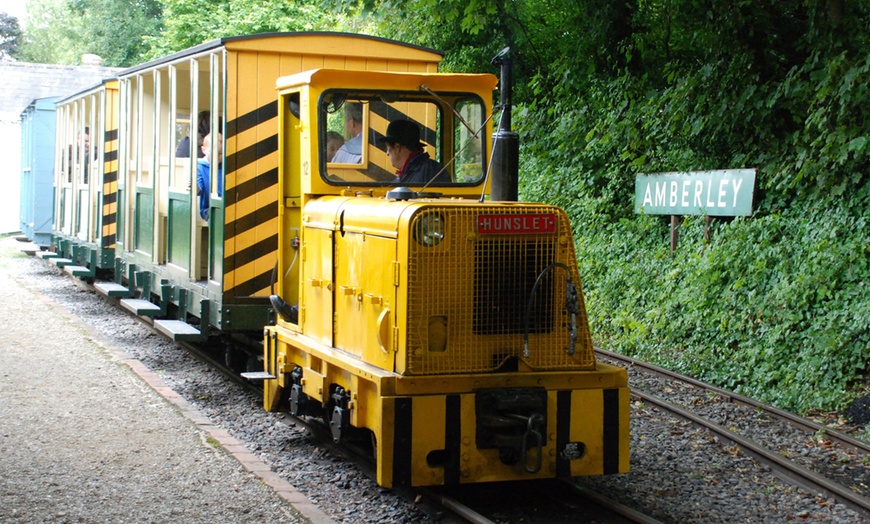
{"x":203,"y":127}
{"x":351,"y":151}
{"x":334,"y":141}
{"x":203,"y":174}
{"x":406,"y":154}
{"x":74,"y":154}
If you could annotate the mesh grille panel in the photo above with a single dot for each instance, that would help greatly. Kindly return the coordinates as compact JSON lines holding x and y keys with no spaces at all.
{"x":474,"y":290}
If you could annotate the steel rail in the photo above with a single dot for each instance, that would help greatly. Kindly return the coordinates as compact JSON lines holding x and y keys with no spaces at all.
{"x":782,"y":467}
{"x":458,"y":508}
{"x":619,"y":508}
{"x":805,"y":424}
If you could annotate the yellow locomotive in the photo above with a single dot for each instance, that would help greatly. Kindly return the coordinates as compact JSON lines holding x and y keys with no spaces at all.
{"x":365,"y":216}
{"x":449,"y":326}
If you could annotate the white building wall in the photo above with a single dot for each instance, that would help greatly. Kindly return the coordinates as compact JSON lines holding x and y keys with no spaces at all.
{"x":10,"y":176}
{"x":20,"y":84}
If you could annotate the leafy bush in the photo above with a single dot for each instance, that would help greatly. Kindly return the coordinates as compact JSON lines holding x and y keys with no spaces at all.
{"x":776,"y":305}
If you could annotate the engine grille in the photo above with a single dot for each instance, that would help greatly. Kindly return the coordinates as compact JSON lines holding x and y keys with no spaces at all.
{"x":475,"y":290}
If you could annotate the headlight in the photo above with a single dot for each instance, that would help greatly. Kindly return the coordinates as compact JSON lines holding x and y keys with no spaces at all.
{"x":429,"y":229}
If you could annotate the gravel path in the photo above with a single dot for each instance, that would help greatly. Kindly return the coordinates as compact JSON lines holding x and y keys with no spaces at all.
{"x":83,"y":439}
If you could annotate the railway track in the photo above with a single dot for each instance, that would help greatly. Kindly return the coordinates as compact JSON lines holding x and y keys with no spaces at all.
{"x":553,"y":501}
{"x":741,"y":429}
{"x":440,"y":505}
{"x":437,"y":503}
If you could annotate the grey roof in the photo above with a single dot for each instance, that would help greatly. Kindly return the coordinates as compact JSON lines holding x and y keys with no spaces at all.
{"x":22,"y":82}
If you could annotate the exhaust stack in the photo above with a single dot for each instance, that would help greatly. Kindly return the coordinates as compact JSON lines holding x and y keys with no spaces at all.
{"x":505,"y":143}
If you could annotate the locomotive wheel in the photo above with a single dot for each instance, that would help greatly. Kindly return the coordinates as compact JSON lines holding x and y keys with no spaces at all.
{"x":297,"y":400}
{"x":338,"y":423}
{"x":235,"y":359}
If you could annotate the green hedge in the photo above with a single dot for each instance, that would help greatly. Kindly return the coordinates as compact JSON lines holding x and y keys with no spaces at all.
{"x":777,"y":305}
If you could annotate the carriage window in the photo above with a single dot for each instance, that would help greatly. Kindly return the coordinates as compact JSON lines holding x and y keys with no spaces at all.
{"x":394,"y":138}
{"x":345,"y":137}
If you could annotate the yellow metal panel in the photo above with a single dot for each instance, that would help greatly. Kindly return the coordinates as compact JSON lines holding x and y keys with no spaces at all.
{"x":587,"y":425}
{"x":365,"y":296}
{"x":314,"y":384}
{"x":365,"y":404}
{"x":317,"y":286}
{"x":427,"y":428}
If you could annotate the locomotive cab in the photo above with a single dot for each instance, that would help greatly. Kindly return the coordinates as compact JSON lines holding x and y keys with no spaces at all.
{"x":450,"y":327}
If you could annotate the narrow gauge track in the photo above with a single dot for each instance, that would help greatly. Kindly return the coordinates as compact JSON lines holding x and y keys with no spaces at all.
{"x":553,"y":501}
{"x":437,"y":503}
{"x":440,"y":507}
{"x":750,"y":422}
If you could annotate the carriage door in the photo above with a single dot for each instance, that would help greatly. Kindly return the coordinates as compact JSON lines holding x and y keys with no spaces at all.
{"x":179,"y":165}
{"x":82,"y":167}
{"x":140,"y":163}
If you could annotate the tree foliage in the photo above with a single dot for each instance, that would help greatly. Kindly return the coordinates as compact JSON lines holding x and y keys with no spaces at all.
{"x":191,"y":22}
{"x":61,"y":31}
{"x":10,"y":34}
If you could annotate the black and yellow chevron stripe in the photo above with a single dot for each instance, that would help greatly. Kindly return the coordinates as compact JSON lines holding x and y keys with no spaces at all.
{"x":110,"y":189}
{"x":251,"y":201}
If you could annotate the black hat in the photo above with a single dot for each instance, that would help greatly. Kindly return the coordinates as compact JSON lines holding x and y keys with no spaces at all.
{"x":403,"y":132}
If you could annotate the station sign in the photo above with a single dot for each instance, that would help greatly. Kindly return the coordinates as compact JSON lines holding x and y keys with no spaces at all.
{"x":726,"y":192}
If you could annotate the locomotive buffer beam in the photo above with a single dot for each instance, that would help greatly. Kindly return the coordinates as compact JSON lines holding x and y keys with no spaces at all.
{"x":513,"y":421}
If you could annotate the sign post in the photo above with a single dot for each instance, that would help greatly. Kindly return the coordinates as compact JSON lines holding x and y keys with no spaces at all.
{"x":726,"y":192}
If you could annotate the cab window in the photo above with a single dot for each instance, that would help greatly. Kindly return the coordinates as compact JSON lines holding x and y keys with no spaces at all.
{"x":368,"y":138}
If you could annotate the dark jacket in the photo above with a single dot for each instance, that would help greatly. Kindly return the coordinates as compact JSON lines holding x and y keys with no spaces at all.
{"x":421,"y":170}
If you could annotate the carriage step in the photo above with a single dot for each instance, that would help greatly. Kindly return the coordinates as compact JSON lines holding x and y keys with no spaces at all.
{"x":113,"y":289}
{"x":78,"y":271}
{"x":257,"y":375}
{"x":140,"y":307}
{"x":61,"y":262}
{"x":29,"y":249}
{"x":47,"y":254}
{"x":178,"y":330}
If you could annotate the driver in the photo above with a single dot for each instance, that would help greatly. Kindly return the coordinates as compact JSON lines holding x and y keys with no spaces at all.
{"x":406,"y":154}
